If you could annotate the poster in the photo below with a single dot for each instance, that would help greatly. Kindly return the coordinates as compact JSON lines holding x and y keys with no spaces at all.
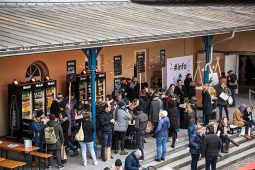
{"x":71,"y":71}
{"x":178,"y":68}
{"x":117,"y":65}
{"x":117,"y":86}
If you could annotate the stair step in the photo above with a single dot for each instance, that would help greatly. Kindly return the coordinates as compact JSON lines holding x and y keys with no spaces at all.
{"x":182,"y":159}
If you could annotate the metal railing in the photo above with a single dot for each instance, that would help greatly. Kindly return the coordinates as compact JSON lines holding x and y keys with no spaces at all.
{"x":250,"y":92}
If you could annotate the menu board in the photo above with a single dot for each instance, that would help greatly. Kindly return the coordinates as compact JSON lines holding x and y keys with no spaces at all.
{"x":163,"y":58}
{"x":117,"y":85}
{"x":39,"y":99}
{"x":50,"y":95}
{"x":71,"y":71}
{"x":26,"y":104}
{"x":117,"y":65}
{"x":140,"y":59}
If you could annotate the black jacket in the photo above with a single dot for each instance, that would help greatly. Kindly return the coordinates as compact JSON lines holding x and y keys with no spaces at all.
{"x":174,"y":116}
{"x":55,"y":108}
{"x":141,"y":121}
{"x":88,"y":129}
{"x":65,"y":126}
{"x":181,"y":93}
{"x":207,"y":102}
{"x":211,"y":146}
{"x":105,"y":123}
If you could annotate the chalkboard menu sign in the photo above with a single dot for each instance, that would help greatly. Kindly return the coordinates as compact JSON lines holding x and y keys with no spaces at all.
{"x":140,"y":59}
{"x":71,"y":71}
{"x":163,"y":58}
{"x":117,"y":65}
{"x":117,"y":85}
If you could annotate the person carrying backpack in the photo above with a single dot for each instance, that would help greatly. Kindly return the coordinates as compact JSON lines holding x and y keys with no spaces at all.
{"x":54,"y":139}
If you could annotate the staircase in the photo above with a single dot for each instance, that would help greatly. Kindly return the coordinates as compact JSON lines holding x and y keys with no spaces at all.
{"x":179,"y":158}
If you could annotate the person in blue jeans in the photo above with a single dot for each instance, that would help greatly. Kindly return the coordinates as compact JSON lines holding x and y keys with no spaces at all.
{"x":195,"y":145}
{"x":106,"y":124}
{"x":162,"y":135}
{"x":191,"y":120}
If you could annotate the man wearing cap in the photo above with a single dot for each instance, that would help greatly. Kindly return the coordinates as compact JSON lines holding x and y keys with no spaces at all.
{"x":120,"y":127}
{"x":55,"y":105}
{"x":132,"y":161}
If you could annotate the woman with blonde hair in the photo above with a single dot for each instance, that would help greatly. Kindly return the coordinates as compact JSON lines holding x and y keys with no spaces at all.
{"x":191,"y":120}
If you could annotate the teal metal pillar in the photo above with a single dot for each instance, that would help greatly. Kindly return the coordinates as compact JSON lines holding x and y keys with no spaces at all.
{"x":208,"y":42}
{"x":92,"y":54}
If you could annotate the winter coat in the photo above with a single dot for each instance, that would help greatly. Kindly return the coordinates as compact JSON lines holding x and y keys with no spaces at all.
{"x":207,"y":102}
{"x":155,"y":106}
{"x":65,"y":126}
{"x":211,"y":146}
{"x":195,"y":143}
{"x":123,"y":117}
{"x":105,"y":123}
{"x":141,"y":121}
{"x":88,"y":129}
{"x":131,"y":162}
{"x":219,"y":91}
{"x":174,"y":116}
{"x":162,"y":129}
{"x":38,"y":128}
{"x":180,"y":93}
{"x":191,"y":92}
{"x":59,"y":134}
{"x":238,"y":118}
{"x":144,"y":103}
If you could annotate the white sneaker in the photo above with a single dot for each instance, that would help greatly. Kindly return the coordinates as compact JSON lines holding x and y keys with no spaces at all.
{"x":85,"y":164}
{"x":95,"y":163}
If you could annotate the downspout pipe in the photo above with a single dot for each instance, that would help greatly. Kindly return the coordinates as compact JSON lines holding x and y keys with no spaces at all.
{"x":213,"y":44}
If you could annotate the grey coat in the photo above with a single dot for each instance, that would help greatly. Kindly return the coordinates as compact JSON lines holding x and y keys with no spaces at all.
{"x":141,"y":121}
{"x":155,"y":107}
{"x":122,"y":118}
{"x":59,"y":134}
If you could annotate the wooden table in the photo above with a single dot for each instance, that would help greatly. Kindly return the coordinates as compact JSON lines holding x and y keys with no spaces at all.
{"x":19,"y":149}
{"x":1,"y":159}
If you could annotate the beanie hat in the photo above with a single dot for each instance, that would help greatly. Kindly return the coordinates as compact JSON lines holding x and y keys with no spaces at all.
{"x":138,"y":153}
{"x":39,"y":113}
{"x":118,"y":162}
{"x":52,"y":117}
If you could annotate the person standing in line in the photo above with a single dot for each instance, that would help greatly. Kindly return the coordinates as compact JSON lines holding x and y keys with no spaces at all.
{"x":191,"y":119}
{"x":155,"y":107}
{"x":140,"y":126}
{"x":207,"y":104}
{"x":180,"y":91}
{"x":162,"y":135}
{"x":195,"y":145}
{"x":55,"y":148}
{"x":120,"y":127}
{"x":223,"y":89}
{"x":88,"y":129}
{"x":106,"y":124}
{"x":174,"y":117}
{"x":232,"y":85}
{"x":211,"y":148}
{"x":187,"y":81}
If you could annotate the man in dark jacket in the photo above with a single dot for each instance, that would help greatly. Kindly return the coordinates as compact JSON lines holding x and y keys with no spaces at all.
{"x":140,"y":126}
{"x":211,"y":148}
{"x":106,"y":124}
{"x":155,"y":106}
{"x":232,"y":85}
{"x":207,"y":104}
{"x":55,"y":148}
{"x":195,"y":145}
{"x":132,"y":161}
{"x":180,"y":91}
{"x":55,"y":105}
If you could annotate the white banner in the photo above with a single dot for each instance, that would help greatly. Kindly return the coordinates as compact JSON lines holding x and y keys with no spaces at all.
{"x":178,"y":68}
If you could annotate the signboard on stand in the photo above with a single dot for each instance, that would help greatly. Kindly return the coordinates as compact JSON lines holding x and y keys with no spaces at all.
{"x":163,"y":58}
{"x":117,"y":85}
{"x":178,"y":68}
{"x":140,"y":62}
{"x":117,"y":65}
{"x":71,"y":71}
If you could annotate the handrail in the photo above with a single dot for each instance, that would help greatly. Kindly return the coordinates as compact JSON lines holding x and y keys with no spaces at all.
{"x":250,"y":91}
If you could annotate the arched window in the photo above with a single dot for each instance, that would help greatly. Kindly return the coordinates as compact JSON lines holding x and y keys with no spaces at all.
{"x":38,"y":70}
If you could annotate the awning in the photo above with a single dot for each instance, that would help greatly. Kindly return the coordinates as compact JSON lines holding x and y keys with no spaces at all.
{"x":35,"y":28}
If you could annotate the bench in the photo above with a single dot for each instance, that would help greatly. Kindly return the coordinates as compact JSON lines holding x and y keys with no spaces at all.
{"x":10,"y":164}
{"x":41,"y":155}
{"x":234,"y":129}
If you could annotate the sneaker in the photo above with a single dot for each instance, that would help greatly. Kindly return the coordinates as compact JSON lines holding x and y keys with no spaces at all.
{"x":85,"y":164}
{"x":61,"y":167}
{"x":49,"y":167}
{"x":157,"y":160}
{"x":95,"y":163}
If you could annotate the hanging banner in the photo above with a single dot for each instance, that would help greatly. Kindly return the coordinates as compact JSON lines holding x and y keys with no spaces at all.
{"x":71,"y":71}
{"x":163,"y":58}
{"x":140,"y":62}
{"x":178,"y":68}
{"x":117,"y":65}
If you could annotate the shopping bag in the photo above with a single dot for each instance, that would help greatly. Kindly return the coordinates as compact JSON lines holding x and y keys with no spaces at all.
{"x":149,"y":127}
{"x":108,"y":153}
{"x":80,"y":135}
{"x":63,"y":153}
{"x":230,"y":100}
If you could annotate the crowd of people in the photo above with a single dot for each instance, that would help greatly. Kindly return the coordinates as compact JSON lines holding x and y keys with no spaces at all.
{"x":138,"y":103}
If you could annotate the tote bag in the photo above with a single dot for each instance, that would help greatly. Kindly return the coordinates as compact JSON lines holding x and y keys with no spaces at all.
{"x":80,"y":135}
